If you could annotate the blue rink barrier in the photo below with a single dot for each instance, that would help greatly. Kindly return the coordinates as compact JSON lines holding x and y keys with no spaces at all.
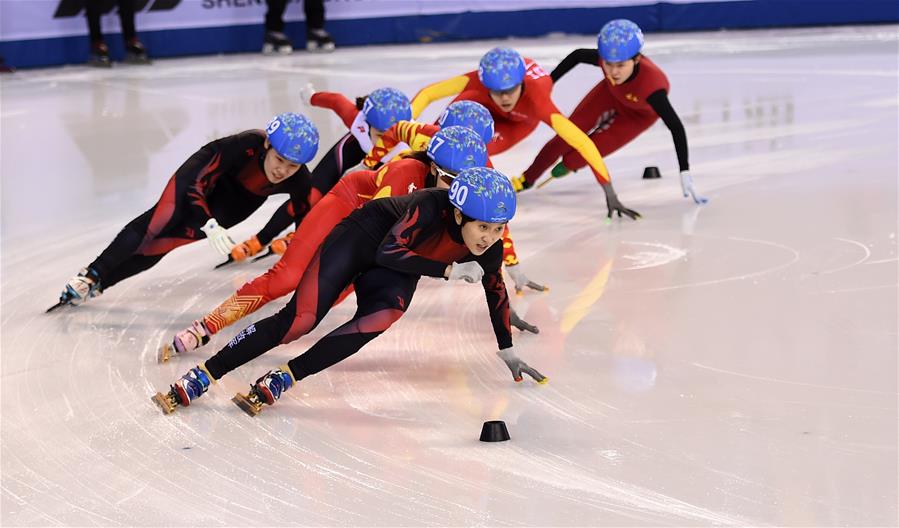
{"x":471,"y":25}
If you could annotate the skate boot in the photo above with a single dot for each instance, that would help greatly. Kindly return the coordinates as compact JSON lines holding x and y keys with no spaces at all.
{"x":135,"y":52}
{"x":80,"y":288}
{"x":188,"y":339}
{"x":520,"y":183}
{"x":99,"y":57}
{"x":268,"y":390}
{"x":319,"y":40}
{"x":276,"y":42}
{"x":187,"y":389}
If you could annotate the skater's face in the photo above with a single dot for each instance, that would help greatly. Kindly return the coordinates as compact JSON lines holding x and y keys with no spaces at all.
{"x":277,"y":169}
{"x":477,"y":235}
{"x":374,"y":134}
{"x":506,"y":99}
{"x":619,"y":72}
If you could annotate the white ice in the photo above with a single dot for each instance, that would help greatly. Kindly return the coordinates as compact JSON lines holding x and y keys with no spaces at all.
{"x":732,"y":364}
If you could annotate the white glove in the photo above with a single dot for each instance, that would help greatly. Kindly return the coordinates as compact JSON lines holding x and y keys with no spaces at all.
{"x":306,"y":93}
{"x":218,"y":237}
{"x":521,"y":280}
{"x":467,"y":271}
{"x":517,"y":366}
{"x":686,"y":185}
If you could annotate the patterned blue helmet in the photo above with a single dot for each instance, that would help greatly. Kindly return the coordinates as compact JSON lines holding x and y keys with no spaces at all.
{"x":385,"y":106}
{"x":501,"y":69}
{"x":293,"y":136}
{"x":483,"y":194}
{"x":619,"y":40}
{"x":455,"y":148}
{"x":471,"y":115}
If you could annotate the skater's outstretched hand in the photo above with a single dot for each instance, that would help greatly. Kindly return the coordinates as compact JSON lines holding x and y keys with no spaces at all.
{"x":521,"y":324}
{"x":686,"y":186}
{"x":517,"y":366}
{"x":615,"y":205}
{"x":467,"y":271}
{"x":306,"y":93}
{"x":521,"y":280}
{"x":218,"y":236}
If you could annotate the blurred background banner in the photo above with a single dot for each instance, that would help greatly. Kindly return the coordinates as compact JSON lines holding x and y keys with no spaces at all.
{"x":52,"y":32}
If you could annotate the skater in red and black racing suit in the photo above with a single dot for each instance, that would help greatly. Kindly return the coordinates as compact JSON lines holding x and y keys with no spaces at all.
{"x":630,"y":98}
{"x":218,"y":187}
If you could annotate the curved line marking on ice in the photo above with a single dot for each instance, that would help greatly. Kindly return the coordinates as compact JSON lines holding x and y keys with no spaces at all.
{"x":738,"y":277}
{"x":856,"y":263}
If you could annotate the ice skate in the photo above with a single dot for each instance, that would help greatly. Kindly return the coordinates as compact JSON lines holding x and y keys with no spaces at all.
{"x":187,"y":389}
{"x":190,"y":338}
{"x":276,"y":42}
{"x":99,"y":55}
{"x":267,"y":389}
{"x":135,"y":52}
{"x":249,"y":403}
{"x":167,"y":402}
{"x":319,"y":40}
{"x":80,"y":288}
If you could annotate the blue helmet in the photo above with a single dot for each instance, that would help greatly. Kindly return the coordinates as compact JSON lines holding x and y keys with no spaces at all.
{"x":501,"y":69}
{"x":619,"y":40}
{"x":455,"y":148}
{"x":293,"y":136}
{"x":483,"y":194}
{"x":385,"y":106}
{"x":471,"y":115}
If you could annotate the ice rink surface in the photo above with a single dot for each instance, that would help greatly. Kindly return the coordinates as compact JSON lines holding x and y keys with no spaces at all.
{"x":732,"y":364}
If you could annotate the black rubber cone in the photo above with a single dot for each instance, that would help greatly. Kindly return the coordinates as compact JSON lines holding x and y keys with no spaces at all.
{"x":494,"y":431}
{"x":651,"y":173}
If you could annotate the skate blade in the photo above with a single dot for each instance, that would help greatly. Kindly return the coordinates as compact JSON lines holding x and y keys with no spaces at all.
{"x":264,"y":255}
{"x":165,"y":353}
{"x":55,"y":306}
{"x":163,"y":402}
{"x":246,"y":404}
{"x":545,"y":183}
{"x":229,"y":261}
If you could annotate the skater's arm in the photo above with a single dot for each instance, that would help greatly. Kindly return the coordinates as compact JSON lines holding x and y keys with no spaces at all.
{"x":396,"y":250}
{"x":578,"y":56}
{"x":576,"y":138}
{"x":416,"y":135}
{"x":437,"y":91}
{"x":659,"y":102}
{"x":496,"y":294}
{"x":338,"y":103}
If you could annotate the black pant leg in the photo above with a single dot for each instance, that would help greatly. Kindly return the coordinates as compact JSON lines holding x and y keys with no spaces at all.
{"x":344,"y":254}
{"x":315,"y":14}
{"x":345,"y":154}
{"x":123,"y":246}
{"x":126,"y":16}
{"x":274,"y":16}
{"x":94,"y":10}
{"x":129,"y":268}
{"x":383,"y":296}
{"x":279,"y":221}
